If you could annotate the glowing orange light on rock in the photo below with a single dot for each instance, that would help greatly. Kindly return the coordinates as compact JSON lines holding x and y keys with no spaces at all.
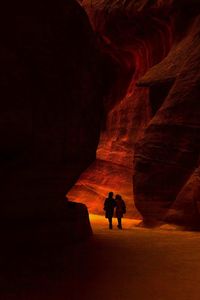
{"x":127,"y":119}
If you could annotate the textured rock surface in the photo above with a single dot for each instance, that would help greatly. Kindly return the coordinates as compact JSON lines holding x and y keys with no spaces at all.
{"x":51,"y":103}
{"x":169,"y":151}
{"x":127,"y":35}
{"x":186,"y":208}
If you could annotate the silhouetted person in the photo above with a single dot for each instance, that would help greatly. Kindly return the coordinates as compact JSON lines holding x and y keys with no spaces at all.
{"x":109,"y":206}
{"x":120,"y":210}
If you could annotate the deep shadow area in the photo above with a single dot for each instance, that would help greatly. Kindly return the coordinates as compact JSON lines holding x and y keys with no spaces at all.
{"x":50,"y":116}
{"x":157,"y":95}
{"x":134,"y":262}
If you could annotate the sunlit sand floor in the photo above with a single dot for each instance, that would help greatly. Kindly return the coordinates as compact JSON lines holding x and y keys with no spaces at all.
{"x":100,"y":223}
{"x":155,"y":264}
{"x":133,"y":263}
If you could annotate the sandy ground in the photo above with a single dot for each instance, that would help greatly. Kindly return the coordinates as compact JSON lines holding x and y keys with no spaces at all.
{"x":135,"y":263}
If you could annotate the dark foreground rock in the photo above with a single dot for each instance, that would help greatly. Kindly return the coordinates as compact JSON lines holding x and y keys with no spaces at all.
{"x":51,"y":99}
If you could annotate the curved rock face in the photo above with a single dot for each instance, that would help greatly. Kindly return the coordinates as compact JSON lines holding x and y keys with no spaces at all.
{"x":186,"y":208}
{"x":169,"y":151}
{"x":127,"y":35}
{"x":157,"y":124}
{"x":51,"y":107}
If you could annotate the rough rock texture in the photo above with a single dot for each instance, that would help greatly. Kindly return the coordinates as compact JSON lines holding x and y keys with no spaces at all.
{"x":127,"y":35}
{"x":168,"y":153}
{"x":186,"y":208}
{"x":51,"y":104}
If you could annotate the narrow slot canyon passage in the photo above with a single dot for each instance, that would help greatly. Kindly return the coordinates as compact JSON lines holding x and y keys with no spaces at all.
{"x":99,"y":96}
{"x":128,"y":108}
{"x":148,"y":147}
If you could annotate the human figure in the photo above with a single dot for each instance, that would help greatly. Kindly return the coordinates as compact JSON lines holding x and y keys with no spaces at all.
{"x":109,"y":206}
{"x":120,"y":209}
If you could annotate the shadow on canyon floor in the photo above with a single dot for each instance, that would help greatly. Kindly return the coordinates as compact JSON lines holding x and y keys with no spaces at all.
{"x":136,"y":262}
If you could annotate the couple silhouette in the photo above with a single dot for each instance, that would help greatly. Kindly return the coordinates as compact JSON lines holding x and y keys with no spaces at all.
{"x":116,"y":204}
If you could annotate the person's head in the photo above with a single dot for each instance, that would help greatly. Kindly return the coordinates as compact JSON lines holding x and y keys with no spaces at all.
{"x":110,"y":194}
{"x":118,"y":197}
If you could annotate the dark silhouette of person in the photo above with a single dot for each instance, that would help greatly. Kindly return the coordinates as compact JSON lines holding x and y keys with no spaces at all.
{"x":120,"y":209}
{"x":109,"y":206}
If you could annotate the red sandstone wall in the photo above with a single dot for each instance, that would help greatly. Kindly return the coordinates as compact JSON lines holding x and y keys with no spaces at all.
{"x":134,"y":38}
{"x":168,"y":154}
